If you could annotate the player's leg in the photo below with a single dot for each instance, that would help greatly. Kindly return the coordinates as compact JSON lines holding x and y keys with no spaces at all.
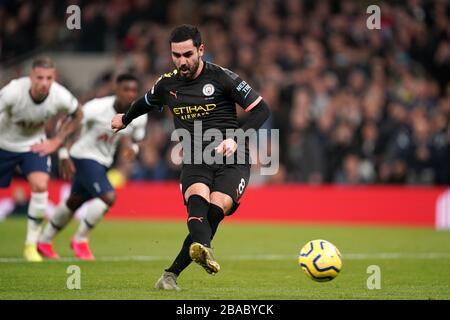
{"x":8,"y":162}
{"x":95,"y":183}
{"x":219,"y":204}
{"x":229,"y":186}
{"x":197,"y":198}
{"x":195,"y":181}
{"x":95,"y":211}
{"x":62,"y":216}
{"x":168,"y":280}
{"x":200,"y":229}
{"x":36,"y":211}
{"x":36,"y":169}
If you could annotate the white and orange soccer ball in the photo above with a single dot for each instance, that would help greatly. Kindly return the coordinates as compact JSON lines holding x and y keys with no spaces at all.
{"x":320,"y":260}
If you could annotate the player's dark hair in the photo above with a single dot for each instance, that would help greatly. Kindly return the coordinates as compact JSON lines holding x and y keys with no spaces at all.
{"x":186,"y":32}
{"x":43,"y":62}
{"x":126,"y":77}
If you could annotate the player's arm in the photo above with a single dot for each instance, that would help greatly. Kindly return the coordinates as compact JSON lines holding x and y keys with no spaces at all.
{"x":66,"y":166}
{"x":130,"y":143}
{"x":259,"y":113}
{"x":243,"y":94}
{"x":69,"y":125}
{"x":8,"y":95}
{"x":3,"y":103}
{"x":147,"y":103}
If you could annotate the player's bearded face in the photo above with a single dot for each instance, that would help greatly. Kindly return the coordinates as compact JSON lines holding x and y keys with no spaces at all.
{"x":186,"y":57}
{"x":41,"y":81}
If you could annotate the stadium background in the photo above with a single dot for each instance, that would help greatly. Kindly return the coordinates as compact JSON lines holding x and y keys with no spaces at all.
{"x":354,"y":106}
{"x":364,"y":148}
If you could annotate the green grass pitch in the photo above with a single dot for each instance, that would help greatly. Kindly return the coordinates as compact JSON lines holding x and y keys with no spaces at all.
{"x":259,"y":261}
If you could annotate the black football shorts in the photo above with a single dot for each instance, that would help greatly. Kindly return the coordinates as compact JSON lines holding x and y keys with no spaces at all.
{"x":230,"y":179}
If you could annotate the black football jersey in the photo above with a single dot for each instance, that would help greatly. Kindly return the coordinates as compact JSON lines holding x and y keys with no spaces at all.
{"x":210,"y":98}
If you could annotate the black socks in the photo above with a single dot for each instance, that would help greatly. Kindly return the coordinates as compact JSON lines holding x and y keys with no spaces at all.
{"x":197,"y":222}
{"x":183,"y":260}
{"x":214,"y":216}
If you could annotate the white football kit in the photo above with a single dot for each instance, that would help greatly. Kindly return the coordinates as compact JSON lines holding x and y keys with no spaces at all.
{"x":22,"y":121}
{"x":97,"y":140}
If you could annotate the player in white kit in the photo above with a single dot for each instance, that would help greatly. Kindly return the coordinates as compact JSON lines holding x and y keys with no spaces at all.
{"x":91,"y":156}
{"x":26,"y":105}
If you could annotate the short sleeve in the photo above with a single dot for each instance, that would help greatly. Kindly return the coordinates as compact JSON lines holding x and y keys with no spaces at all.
{"x":155,"y":96}
{"x":8,"y":95}
{"x":240,"y":91}
{"x":67,"y":103}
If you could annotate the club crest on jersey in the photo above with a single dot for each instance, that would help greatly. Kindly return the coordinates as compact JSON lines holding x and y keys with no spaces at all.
{"x":208,"y":89}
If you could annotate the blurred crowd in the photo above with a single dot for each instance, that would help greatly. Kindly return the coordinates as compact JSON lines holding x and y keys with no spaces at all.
{"x":353,"y":105}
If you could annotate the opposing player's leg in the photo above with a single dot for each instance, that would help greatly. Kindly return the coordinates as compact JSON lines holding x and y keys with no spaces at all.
{"x":36,"y":213}
{"x":36,"y":169}
{"x":8,"y":162}
{"x":95,"y":211}
{"x":93,"y":181}
{"x":62,"y":216}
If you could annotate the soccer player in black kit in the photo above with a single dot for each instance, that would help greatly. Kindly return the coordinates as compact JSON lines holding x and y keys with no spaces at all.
{"x":201,"y":92}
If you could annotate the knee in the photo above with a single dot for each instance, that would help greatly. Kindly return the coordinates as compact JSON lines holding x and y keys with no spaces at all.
{"x":74,"y":202}
{"x":39,"y":186}
{"x":109,"y":198}
{"x":222,"y":200}
{"x":197,"y":205}
{"x":199,"y":189}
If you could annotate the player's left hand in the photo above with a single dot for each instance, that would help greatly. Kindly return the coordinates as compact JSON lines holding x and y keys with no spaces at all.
{"x":227,"y":147}
{"x":47,"y":147}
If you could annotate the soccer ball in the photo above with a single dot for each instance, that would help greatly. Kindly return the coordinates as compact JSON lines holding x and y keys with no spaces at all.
{"x":320,"y":260}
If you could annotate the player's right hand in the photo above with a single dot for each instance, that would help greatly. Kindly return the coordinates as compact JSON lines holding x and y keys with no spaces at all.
{"x":66,"y":169}
{"x":116,"y":123}
{"x":47,"y":147}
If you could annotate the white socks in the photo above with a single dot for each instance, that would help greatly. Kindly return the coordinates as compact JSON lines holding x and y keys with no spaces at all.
{"x":94,"y":214}
{"x":36,"y":213}
{"x":59,"y":220}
